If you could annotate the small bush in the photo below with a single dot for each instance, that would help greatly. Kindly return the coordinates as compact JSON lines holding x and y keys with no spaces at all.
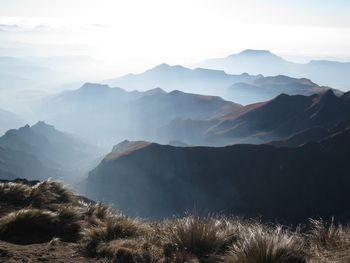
{"x":260,"y":244}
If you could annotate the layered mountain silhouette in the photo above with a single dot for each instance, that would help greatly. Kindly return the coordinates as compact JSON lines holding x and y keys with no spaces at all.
{"x":40,"y":151}
{"x":105,"y":114}
{"x":327,"y":73}
{"x":168,"y":78}
{"x":243,"y":88}
{"x":277,"y":119}
{"x":278,"y":183}
{"x":265,"y":88}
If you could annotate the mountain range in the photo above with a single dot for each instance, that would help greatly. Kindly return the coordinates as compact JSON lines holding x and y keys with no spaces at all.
{"x":243,"y":88}
{"x":327,"y":73}
{"x":40,"y":151}
{"x":277,"y":119}
{"x":107,"y":115}
{"x":287,"y":184}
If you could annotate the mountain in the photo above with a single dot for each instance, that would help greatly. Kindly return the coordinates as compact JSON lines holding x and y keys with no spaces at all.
{"x":106,"y":115}
{"x":277,"y":119}
{"x":244,"y":88}
{"x":313,"y":134}
{"x":277,"y":183}
{"x":15,"y":164}
{"x":249,"y":60}
{"x":265,"y":88}
{"x":327,"y":73}
{"x":46,"y":151}
{"x":286,"y":115}
{"x":199,"y":80}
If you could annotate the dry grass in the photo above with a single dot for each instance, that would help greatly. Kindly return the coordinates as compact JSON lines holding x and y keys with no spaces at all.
{"x":32,"y":225}
{"x":51,"y":211}
{"x":200,"y":236}
{"x":329,"y":243}
{"x":50,"y":192}
{"x":14,"y":193}
{"x":261,"y":244}
{"x":41,"y":195}
{"x":116,"y":226}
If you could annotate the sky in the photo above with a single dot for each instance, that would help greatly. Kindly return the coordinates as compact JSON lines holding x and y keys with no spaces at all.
{"x":134,"y":34}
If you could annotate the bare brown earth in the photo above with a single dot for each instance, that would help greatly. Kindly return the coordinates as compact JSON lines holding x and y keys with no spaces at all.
{"x":59,"y":252}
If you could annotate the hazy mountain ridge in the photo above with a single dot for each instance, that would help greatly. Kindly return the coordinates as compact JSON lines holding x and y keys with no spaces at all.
{"x":199,"y":80}
{"x":40,"y":151}
{"x":265,"y":88}
{"x":276,"y":119}
{"x":243,"y":88}
{"x":327,"y":73}
{"x":128,"y":115}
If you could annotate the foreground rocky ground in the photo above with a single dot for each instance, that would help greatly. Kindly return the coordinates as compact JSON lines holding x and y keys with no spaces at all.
{"x":47,"y":222}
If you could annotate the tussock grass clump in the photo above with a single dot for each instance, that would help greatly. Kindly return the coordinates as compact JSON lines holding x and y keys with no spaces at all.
{"x":51,"y":192}
{"x":41,"y":195}
{"x":200,"y":236}
{"x":97,"y":213}
{"x":260,"y":244}
{"x":112,"y":228}
{"x":14,"y":193}
{"x":329,"y":243}
{"x":28,"y":226}
{"x":129,"y":250}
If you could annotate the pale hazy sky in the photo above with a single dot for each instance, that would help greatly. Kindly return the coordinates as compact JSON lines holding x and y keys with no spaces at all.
{"x":136,"y":33}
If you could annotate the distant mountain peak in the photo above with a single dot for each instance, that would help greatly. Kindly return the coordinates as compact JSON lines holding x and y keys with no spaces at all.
{"x":255,"y":52}
{"x":165,"y":66}
{"x":43,"y":125}
{"x":93,"y":86}
{"x":155,"y":91}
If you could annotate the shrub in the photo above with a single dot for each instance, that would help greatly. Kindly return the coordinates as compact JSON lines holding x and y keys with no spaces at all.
{"x":260,"y":244}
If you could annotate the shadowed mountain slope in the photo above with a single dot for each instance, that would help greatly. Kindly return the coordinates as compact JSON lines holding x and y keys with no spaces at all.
{"x":277,"y":119}
{"x":288,"y":184}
